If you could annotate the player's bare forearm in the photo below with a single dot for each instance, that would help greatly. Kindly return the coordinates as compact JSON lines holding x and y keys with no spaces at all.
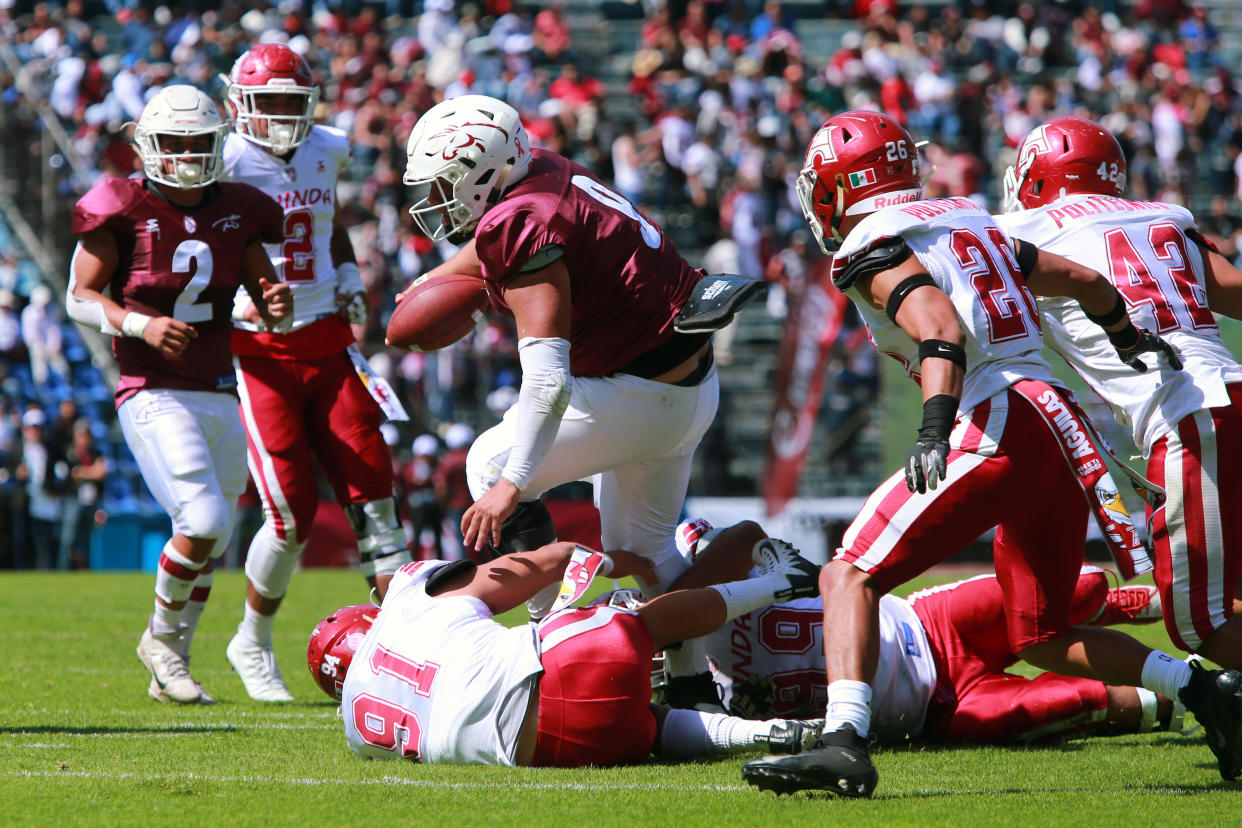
{"x":272,"y":298}
{"x":1224,"y":284}
{"x":510,"y":581}
{"x":95,"y":261}
{"x":1055,"y":275}
{"x":340,"y":247}
{"x":465,"y":261}
{"x":728,"y":558}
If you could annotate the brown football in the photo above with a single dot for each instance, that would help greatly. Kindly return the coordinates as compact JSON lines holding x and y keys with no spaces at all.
{"x":436,"y":312}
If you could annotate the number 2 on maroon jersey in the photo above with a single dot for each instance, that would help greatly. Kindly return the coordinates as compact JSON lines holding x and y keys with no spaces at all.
{"x":1140,"y":286}
{"x":192,"y":256}
{"x":1007,"y":303}
{"x":298,"y":248}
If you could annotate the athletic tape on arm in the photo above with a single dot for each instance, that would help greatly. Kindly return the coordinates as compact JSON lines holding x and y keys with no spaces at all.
{"x":542,"y":401}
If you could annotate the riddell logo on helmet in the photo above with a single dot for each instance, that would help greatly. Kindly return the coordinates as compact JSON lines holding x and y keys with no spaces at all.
{"x":899,"y":198}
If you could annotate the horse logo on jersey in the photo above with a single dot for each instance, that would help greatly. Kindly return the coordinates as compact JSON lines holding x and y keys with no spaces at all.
{"x":229,"y":222}
{"x":459,"y":139}
{"x":291,"y":173}
{"x":190,"y":224}
{"x":323,"y":167}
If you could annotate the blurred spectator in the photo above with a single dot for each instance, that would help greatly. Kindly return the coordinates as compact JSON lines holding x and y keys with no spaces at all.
{"x":452,"y":490}
{"x":551,"y":33}
{"x":12,"y":348}
{"x":45,"y":478}
{"x":87,"y":470}
{"x":422,"y":505}
{"x":41,"y":331}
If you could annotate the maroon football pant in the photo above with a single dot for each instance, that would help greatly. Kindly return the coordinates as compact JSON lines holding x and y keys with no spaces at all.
{"x":975,"y":699}
{"x":296,"y":410}
{"x":595,"y":693}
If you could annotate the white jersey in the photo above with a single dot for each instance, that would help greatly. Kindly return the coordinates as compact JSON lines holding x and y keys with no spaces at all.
{"x":784,"y":643}
{"x":305,"y":188}
{"x":1144,"y":249}
{"x":438,"y":680}
{"x":972,"y":260}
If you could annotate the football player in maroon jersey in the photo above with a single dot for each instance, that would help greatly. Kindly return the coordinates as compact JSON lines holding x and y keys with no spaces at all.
{"x":618,"y":381}
{"x":159,"y":261}
{"x":301,"y":397}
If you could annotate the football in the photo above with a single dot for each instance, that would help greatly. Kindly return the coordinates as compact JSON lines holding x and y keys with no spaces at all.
{"x":436,"y":312}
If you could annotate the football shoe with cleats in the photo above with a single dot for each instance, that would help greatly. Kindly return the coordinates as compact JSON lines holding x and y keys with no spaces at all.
{"x":776,"y":557}
{"x":1215,"y":697}
{"x":840,"y":763}
{"x":170,"y":672}
{"x":1139,"y":604}
{"x":256,"y":666}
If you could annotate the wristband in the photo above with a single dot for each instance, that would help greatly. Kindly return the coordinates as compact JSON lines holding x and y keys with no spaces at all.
{"x":939,"y":412}
{"x":605,"y":567}
{"x":1112,"y":317}
{"x":348,"y":278}
{"x":134,"y":324}
{"x":1126,"y":338}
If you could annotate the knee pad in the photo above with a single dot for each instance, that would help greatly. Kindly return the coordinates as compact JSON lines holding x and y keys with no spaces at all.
{"x":529,"y":527}
{"x":271,"y":561}
{"x":382,"y":549}
{"x":206,"y":517}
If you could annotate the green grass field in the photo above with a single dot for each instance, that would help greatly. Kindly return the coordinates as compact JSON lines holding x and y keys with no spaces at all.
{"x":81,"y":744}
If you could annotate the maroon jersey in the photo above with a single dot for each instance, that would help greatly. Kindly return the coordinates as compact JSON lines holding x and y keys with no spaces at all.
{"x":626,"y":278}
{"x":183,"y":262}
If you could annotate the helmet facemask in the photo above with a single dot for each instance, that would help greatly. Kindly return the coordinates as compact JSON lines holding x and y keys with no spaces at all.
{"x":277,"y":133}
{"x":178,"y":113}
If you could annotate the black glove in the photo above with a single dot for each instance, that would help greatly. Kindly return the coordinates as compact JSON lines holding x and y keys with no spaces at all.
{"x":926,"y":464}
{"x":1145,"y":343}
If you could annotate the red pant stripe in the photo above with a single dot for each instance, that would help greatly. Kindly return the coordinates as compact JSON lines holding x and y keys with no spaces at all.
{"x":176,"y":570}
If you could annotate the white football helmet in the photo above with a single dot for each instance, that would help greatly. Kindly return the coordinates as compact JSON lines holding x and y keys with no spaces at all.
{"x":179,"y":111}
{"x":462,"y":155}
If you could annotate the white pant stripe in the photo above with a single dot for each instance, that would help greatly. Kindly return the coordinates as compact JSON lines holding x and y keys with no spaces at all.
{"x":264,"y":471}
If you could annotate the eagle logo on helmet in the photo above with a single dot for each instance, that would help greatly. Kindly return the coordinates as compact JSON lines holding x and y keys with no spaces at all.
{"x":459,"y":139}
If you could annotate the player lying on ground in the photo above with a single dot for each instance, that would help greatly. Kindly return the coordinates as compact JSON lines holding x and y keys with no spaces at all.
{"x":157,"y":266}
{"x":943,"y":659}
{"x":438,"y":680}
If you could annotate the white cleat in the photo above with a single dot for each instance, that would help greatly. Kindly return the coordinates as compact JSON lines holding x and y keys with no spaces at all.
{"x":258,"y":671}
{"x":170,"y":675}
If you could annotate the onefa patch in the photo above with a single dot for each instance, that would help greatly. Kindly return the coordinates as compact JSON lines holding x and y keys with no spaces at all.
{"x":863,"y":177}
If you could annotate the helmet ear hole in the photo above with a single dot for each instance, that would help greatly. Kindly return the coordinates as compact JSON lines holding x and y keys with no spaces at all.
{"x":1037,"y":187}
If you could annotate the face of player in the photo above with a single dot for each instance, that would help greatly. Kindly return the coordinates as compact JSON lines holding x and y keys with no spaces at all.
{"x":277,"y":107}
{"x":182,"y":149}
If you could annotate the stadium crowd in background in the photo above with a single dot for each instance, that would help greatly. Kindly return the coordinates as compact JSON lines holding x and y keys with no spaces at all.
{"x":705,"y":129}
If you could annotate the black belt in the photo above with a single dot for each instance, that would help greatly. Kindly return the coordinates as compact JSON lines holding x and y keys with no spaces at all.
{"x":668,"y":355}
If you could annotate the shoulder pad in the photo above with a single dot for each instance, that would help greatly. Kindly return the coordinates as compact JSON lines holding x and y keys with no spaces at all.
{"x":110,"y":197}
{"x":441,"y":575}
{"x":880,"y":255}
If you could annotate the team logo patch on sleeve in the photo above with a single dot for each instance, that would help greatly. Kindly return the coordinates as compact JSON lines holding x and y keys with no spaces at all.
{"x":863,"y":177}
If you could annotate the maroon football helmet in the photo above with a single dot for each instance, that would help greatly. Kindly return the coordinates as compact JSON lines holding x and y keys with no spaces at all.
{"x":1062,"y":157}
{"x":265,"y":70}
{"x":857,"y":163}
{"x":333,"y":643}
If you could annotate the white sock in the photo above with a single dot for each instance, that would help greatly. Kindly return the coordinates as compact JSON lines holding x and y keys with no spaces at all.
{"x":689,"y":733}
{"x":1164,"y":674}
{"x":742,"y":597}
{"x":164,"y":620}
{"x":256,"y":628}
{"x":195,"y":605}
{"x":849,"y":703}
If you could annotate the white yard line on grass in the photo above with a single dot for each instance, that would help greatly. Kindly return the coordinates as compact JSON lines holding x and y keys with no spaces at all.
{"x":385,"y":781}
{"x":179,"y":731}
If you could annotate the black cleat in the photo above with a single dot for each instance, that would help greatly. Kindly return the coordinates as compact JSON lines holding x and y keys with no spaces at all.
{"x":839,"y":763}
{"x":1215,"y":697}
{"x":775,"y":557}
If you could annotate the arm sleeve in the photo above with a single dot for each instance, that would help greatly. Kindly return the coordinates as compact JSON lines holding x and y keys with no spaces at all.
{"x":542,"y":401}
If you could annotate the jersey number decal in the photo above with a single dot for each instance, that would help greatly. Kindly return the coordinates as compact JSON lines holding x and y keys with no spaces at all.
{"x":387,"y":726}
{"x":192,"y":256}
{"x":791,"y":631}
{"x":298,"y":248}
{"x":605,"y":196}
{"x":419,"y":676}
{"x":1142,"y":285}
{"x":993,"y":273}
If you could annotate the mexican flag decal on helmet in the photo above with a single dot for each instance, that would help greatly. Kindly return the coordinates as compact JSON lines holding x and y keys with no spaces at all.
{"x":860,"y":179}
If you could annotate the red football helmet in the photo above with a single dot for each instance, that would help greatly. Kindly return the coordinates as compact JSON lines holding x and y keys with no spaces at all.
{"x":333,"y":643}
{"x":1062,"y":157}
{"x":857,"y":163}
{"x":272,"y":69}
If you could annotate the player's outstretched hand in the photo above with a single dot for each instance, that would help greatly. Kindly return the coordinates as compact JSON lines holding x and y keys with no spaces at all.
{"x":168,"y":336}
{"x":628,"y":564}
{"x":481,"y":523}
{"x":1149,"y":343}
